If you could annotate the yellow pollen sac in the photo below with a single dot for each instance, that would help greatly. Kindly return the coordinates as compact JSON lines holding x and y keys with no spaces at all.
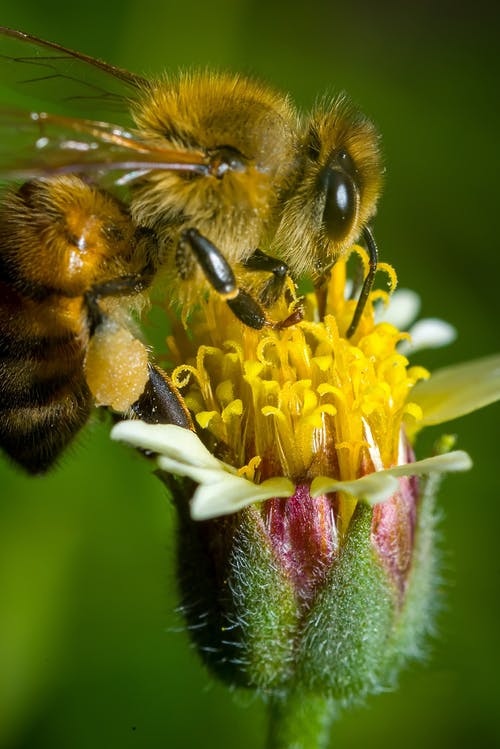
{"x":301,"y":401}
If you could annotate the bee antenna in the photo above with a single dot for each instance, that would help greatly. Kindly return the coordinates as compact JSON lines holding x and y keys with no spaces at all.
{"x":368,"y":282}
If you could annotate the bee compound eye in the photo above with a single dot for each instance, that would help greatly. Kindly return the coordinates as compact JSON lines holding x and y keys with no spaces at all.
{"x":340,"y":203}
{"x":226,"y":159}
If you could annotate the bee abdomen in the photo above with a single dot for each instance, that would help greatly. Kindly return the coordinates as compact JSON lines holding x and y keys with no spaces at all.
{"x":44,"y":398}
{"x":38,"y":422}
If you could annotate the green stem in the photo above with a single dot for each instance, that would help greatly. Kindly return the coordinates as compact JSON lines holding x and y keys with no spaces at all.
{"x":300,"y":720}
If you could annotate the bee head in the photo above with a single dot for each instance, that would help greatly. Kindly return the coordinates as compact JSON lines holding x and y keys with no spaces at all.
{"x":336,"y":191}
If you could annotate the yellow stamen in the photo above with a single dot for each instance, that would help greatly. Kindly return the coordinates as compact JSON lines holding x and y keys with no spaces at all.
{"x":303,"y":401}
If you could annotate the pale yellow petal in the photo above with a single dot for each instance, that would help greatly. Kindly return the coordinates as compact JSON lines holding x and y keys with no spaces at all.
{"x":374,"y":487}
{"x":232,"y":493}
{"x":200,"y":474}
{"x":380,"y":485}
{"x":455,"y":391}
{"x":172,"y":441}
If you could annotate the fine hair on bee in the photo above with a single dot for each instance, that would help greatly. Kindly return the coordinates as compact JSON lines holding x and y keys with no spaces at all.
{"x":210,"y":180}
{"x":66,"y":250}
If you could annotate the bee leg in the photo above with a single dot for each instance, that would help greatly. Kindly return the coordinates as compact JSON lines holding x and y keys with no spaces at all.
{"x":122,"y":286}
{"x":368,"y":283}
{"x":273,"y":288}
{"x":161,"y":402}
{"x":220,"y":275}
{"x":136,"y":282}
{"x":296,"y":316}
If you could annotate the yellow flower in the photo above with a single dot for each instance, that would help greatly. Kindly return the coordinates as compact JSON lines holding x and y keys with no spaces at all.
{"x":316,"y":553}
{"x":305,"y":405}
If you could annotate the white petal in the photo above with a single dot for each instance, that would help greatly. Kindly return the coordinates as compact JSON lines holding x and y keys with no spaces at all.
{"x":454,"y":391}
{"x":231,"y":493}
{"x":457,"y":460}
{"x":181,"y":452}
{"x":200,"y":474}
{"x":428,"y":333}
{"x":374,"y":487}
{"x":380,"y":485}
{"x":403,"y":308}
{"x":349,"y":284}
{"x":173,"y":442}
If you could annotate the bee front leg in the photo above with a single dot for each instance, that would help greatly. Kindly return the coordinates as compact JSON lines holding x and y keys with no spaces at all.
{"x":368,"y":283}
{"x":220,"y":275}
{"x":273,"y":288}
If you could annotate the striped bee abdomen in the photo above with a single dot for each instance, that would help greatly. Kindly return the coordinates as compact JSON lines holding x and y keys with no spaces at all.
{"x":44,"y":398}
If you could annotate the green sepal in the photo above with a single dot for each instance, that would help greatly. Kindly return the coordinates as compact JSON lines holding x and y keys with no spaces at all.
{"x":346,"y":630}
{"x":414,"y":618}
{"x":264,"y":604}
{"x":239,"y":606}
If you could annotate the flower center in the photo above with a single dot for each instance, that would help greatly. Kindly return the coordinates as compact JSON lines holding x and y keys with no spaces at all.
{"x":303,"y":401}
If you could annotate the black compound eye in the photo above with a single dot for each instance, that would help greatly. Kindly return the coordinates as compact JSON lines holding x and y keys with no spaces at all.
{"x":226,"y":159}
{"x":341,"y":201}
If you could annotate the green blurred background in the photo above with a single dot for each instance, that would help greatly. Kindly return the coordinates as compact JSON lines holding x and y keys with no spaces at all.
{"x":92,"y":653}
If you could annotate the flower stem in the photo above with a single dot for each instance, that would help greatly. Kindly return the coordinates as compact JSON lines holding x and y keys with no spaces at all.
{"x":300,"y":720}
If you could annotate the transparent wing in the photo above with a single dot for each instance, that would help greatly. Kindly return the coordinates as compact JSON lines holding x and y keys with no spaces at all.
{"x":37,"y":144}
{"x":64,"y":79}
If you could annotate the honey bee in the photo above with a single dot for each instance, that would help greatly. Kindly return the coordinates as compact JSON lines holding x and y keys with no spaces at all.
{"x":209,"y":177}
{"x":65,"y":246}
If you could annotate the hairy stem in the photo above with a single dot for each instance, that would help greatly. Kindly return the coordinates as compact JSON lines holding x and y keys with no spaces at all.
{"x":300,"y":720}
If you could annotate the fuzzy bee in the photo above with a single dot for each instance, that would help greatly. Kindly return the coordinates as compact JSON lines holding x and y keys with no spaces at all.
{"x":208,"y":178}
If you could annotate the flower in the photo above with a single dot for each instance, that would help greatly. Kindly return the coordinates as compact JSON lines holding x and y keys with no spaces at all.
{"x":314,"y":566}
{"x":402,"y":311}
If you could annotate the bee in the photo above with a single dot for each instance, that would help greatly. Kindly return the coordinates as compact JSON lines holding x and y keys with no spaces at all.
{"x":209,"y":179}
{"x":67,"y":251}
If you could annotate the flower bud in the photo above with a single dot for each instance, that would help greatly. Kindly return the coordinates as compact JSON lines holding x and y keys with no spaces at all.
{"x":274,"y":598}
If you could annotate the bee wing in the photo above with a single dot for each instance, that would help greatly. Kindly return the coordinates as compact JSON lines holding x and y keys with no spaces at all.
{"x":38,"y":144}
{"x":34,"y":68}
{"x":49,"y":144}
